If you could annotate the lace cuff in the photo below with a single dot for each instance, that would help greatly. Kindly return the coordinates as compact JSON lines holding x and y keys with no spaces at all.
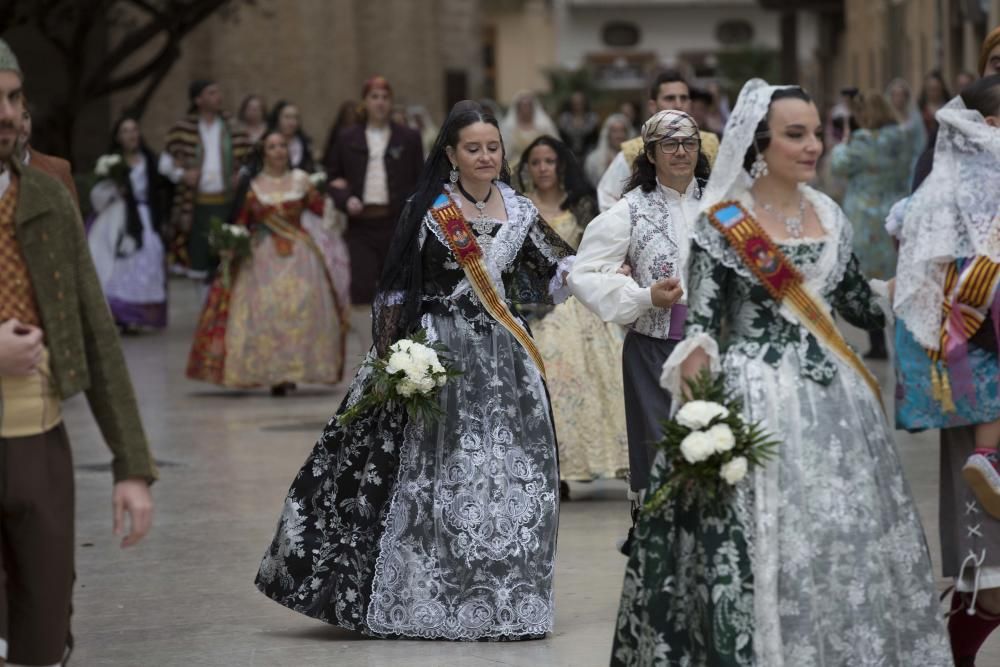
{"x":879,"y":287}
{"x":559,"y":285}
{"x":670,"y":378}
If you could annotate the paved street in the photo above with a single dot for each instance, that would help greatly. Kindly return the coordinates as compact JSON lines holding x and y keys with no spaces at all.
{"x":186,"y":595}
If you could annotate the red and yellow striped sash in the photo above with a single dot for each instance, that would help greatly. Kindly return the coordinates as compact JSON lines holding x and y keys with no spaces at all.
{"x":783,"y":282}
{"x":467,"y":251}
{"x":968,"y":294}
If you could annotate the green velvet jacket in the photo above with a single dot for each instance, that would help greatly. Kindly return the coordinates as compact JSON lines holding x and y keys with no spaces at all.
{"x":79,"y":331}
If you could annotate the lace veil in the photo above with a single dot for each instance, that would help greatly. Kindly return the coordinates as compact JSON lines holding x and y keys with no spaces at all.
{"x":729,"y":180}
{"x":954,"y":214}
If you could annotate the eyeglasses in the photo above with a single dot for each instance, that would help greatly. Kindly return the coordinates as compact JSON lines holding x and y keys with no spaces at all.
{"x":671,"y":146}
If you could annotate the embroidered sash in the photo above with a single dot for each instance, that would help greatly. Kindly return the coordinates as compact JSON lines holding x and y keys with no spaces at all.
{"x":469,"y":254}
{"x":783,"y":281}
{"x":969,"y":292}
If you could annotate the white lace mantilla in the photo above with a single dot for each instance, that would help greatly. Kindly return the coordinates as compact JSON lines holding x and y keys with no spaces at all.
{"x":955,"y":214}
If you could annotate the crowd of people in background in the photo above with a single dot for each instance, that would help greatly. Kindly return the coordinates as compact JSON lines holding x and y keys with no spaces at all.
{"x":870,"y":133}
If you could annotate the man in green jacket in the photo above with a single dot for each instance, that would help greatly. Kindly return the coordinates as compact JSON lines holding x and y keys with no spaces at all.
{"x":57,"y":339}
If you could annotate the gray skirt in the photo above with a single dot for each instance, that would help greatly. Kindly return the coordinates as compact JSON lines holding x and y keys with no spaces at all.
{"x":646,"y":402}
{"x":969,"y":536}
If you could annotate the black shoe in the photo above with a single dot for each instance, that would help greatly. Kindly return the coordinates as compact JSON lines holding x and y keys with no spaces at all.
{"x":563,"y":490}
{"x":279,"y":390}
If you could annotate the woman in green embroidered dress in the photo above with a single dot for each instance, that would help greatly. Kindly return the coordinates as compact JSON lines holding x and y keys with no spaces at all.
{"x":818,"y":557}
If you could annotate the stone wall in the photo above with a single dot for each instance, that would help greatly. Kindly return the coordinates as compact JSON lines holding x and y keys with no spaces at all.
{"x":318,"y":53}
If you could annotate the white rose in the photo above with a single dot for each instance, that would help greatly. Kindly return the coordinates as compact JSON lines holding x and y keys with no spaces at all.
{"x":406,"y":388}
{"x":722,"y":438}
{"x":441,"y":380}
{"x":114,"y":159}
{"x":398,"y":361}
{"x":422,"y":355}
{"x":697,"y":447}
{"x":698,"y":414}
{"x":426,"y":384}
{"x":734,"y":471}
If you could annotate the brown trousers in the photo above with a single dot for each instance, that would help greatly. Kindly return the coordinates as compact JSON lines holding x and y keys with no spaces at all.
{"x":36,"y":546}
{"x":368,"y":238}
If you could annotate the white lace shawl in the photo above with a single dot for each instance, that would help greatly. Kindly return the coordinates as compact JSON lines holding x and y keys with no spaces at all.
{"x":954,"y":214}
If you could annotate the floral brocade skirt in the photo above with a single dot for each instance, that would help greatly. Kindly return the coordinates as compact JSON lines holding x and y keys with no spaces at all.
{"x":916,"y":407}
{"x":280,"y":322}
{"x":583,"y":367}
{"x":443,"y":530}
{"x":818,"y":558}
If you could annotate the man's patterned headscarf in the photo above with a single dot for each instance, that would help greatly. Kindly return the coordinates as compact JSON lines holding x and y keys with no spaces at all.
{"x":669,"y":124}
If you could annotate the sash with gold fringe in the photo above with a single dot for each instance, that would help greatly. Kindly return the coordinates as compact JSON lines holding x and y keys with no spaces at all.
{"x":969,"y":292}
{"x":784,"y":282}
{"x":469,"y":254}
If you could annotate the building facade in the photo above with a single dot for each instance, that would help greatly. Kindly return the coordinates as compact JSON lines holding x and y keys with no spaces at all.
{"x":885,"y":39}
{"x":318,"y":53}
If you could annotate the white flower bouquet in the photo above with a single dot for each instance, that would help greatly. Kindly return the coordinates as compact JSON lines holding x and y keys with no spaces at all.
{"x":111,"y":165}
{"x":708,"y":446}
{"x":232,"y":242}
{"x":318,"y":179}
{"x":411,"y":374}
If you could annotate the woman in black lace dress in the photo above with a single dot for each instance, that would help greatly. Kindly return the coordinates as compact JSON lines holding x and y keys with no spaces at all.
{"x":446,"y":529}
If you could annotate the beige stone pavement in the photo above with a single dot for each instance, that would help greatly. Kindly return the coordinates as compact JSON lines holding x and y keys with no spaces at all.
{"x":186,"y":596}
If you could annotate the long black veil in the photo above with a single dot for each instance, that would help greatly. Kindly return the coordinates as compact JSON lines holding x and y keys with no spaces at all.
{"x":396,"y":311}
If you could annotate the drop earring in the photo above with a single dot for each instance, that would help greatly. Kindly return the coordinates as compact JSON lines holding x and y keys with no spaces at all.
{"x":453,"y":175}
{"x":759,"y":167}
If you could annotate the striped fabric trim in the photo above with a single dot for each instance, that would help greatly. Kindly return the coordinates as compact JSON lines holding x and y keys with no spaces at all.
{"x":971,"y":291}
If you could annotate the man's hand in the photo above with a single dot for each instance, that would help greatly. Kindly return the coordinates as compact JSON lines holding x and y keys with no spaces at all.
{"x":354,"y":206}
{"x":191,"y":177}
{"x":132,"y":497}
{"x":339,"y":184}
{"x":20,"y":348}
{"x":666,"y":292}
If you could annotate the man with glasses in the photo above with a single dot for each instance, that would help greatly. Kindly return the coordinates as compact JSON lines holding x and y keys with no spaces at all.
{"x":669,"y":92}
{"x":648,"y":230}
